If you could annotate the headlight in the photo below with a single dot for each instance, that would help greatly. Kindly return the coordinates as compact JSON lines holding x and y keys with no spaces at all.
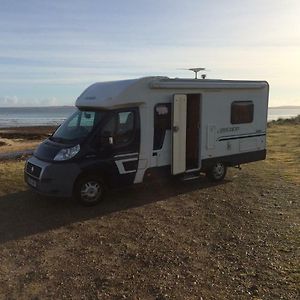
{"x":67,"y":153}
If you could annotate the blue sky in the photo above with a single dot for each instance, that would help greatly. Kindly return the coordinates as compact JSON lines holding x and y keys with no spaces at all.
{"x":51,"y":50}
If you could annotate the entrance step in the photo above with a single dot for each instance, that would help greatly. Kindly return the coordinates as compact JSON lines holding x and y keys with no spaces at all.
{"x":190,"y":176}
{"x":192,"y":171}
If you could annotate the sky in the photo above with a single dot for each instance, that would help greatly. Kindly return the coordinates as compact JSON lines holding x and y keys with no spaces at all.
{"x":51,"y":50}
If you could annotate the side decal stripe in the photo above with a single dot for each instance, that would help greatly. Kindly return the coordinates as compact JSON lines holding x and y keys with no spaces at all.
{"x":239,"y":137}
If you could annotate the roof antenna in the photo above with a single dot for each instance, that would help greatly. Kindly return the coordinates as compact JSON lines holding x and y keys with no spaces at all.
{"x":196,"y":70}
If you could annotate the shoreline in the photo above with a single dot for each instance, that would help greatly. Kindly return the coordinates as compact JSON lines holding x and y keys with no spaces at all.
{"x":30,"y":132}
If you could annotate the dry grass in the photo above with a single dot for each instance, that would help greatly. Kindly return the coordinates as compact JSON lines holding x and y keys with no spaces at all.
{"x":11,"y":177}
{"x":23,"y":138}
{"x":284,"y":149}
{"x":12,"y":145}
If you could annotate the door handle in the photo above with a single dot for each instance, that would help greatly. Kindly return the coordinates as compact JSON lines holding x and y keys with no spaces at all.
{"x":111,"y":140}
{"x":175,"y":128}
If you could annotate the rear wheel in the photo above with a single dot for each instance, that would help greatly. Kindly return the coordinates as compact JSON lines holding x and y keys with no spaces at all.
{"x":217,"y":172}
{"x":89,"y":190}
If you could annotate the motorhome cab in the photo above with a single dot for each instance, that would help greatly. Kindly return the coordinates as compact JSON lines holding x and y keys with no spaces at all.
{"x":125,"y":132}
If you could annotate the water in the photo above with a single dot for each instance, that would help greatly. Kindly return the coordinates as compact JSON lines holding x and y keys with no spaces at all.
{"x":284,"y":113}
{"x":38,"y":116}
{"x":33,"y":116}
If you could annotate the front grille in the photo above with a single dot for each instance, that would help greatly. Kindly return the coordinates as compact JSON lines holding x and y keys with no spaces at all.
{"x":33,"y":170}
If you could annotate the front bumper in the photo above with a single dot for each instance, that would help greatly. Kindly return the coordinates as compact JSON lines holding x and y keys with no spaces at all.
{"x":53,"y":179}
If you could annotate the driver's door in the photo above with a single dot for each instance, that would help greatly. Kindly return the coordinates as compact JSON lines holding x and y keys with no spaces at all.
{"x":122,"y":134}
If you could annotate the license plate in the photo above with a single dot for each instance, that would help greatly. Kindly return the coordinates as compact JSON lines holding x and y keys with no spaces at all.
{"x":31,"y":182}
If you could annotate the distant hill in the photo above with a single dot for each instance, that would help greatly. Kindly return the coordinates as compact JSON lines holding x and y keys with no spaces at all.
{"x":288,"y":121}
{"x":285,"y":107}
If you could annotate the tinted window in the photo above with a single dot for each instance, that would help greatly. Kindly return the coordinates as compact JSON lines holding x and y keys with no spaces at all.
{"x":242,"y":112}
{"x":162,"y":122}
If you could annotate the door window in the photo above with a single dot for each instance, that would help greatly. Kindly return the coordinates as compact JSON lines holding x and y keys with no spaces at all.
{"x":121,"y":127}
{"x":125,"y":127}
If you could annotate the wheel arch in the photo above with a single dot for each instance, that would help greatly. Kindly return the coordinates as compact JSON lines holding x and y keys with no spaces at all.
{"x":86,"y":173}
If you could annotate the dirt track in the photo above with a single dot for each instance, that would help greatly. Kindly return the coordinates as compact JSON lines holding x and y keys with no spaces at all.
{"x":168,"y":240}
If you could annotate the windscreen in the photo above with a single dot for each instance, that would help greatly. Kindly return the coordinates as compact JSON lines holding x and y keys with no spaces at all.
{"x":78,"y":126}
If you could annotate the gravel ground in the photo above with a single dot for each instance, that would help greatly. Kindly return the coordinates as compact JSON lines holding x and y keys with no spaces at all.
{"x":167,"y":240}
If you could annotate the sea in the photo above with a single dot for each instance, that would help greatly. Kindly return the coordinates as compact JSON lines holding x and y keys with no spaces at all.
{"x":41,"y":116}
{"x":34,"y":116}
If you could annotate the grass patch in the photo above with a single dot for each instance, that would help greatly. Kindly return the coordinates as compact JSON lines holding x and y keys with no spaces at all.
{"x":11,"y":176}
{"x":284,"y":149}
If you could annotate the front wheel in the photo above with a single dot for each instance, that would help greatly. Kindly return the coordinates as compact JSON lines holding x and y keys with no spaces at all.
{"x":217,"y":172}
{"x":89,"y":190}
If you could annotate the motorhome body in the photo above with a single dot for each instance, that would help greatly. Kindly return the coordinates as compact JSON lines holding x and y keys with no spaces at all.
{"x":130,"y":130}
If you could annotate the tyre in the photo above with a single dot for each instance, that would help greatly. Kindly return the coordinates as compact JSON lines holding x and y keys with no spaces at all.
{"x":89,"y":190}
{"x":217,"y":172}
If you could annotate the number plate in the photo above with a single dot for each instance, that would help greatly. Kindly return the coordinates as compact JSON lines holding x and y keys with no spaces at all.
{"x":31,"y":182}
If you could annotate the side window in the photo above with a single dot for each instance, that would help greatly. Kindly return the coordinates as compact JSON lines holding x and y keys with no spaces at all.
{"x":242,"y":112}
{"x":162,"y":122}
{"x":124,"y":127}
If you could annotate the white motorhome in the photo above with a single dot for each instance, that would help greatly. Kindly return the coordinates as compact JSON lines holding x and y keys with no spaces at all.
{"x":125,"y":132}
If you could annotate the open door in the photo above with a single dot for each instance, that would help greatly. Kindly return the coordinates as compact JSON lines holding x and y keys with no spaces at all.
{"x":192,"y":131}
{"x":179,"y":134}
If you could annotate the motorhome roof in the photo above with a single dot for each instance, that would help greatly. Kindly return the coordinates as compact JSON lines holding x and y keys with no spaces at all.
{"x":113,"y":94}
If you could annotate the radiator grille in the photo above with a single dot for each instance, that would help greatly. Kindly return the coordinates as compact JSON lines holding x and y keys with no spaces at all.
{"x":33,"y":170}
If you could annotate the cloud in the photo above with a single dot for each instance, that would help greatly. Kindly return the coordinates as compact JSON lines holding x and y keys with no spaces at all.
{"x":14,"y":101}
{"x":9,"y":101}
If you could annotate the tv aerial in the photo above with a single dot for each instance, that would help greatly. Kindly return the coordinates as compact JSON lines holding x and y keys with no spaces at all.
{"x":196,"y":71}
